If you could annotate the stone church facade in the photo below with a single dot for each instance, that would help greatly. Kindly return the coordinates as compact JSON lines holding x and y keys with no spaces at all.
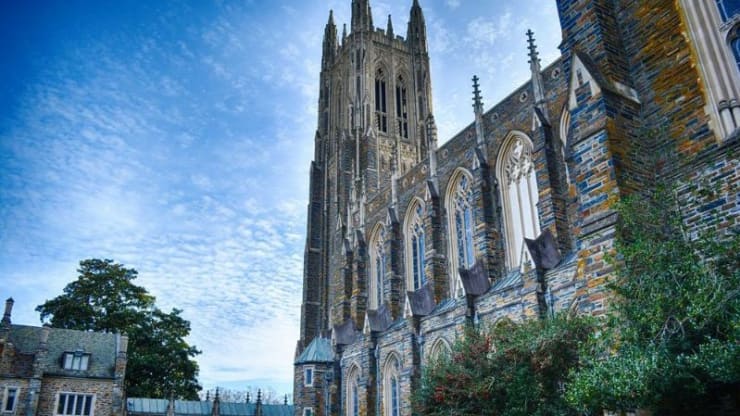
{"x":408,"y":241}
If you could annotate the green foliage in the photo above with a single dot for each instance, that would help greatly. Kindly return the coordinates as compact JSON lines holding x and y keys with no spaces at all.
{"x":104,"y":298}
{"x":510,"y":370}
{"x":672,"y":343}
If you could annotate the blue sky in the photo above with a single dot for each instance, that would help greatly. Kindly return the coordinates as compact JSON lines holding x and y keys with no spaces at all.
{"x":175,"y":137}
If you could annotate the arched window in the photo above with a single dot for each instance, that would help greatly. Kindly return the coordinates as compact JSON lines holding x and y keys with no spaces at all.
{"x":519,"y":195}
{"x":391,"y":387}
{"x":440,"y":348}
{"x":564,"y":130}
{"x":402,"y":115}
{"x":734,"y":40}
{"x":377,"y":267}
{"x":461,"y":221}
{"x":381,"y":107}
{"x":728,"y":8}
{"x":415,"y":246}
{"x":353,"y":394}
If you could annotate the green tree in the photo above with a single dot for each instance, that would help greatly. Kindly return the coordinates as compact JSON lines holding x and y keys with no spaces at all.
{"x":104,"y":298}
{"x":511,"y":369}
{"x":672,"y":342}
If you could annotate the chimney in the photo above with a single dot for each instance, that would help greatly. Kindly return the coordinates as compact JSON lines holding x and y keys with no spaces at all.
{"x":44,"y":341}
{"x":8,"y":310}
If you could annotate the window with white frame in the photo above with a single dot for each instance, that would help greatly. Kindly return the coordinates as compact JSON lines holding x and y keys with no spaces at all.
{"x":308,"y":376}
{"x":77,"y":360}
{"x":353,"y":394}
{"x":519,"y":195}
{"x":713,"y":29}
{"x":415,"y":246}
{"x":377,"y":267}
{"x":308,"y":411}
{"x":391,"y":387}
{"x":461,"y":223}
{"x":10,"y":399}
{"x":75,"y":404}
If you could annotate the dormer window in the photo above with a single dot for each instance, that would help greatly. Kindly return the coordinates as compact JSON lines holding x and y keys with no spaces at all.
{"x":77,"y":361}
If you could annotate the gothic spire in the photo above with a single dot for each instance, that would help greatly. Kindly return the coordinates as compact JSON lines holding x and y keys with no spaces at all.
{"x":330,"y":41}
{"x":362,"y":16}
{"x":534,"y":65}
{"x":389,"y":30}
{"x":417,"y":30}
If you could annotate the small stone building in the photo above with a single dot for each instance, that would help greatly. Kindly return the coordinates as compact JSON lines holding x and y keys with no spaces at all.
{"x":48,"y":371}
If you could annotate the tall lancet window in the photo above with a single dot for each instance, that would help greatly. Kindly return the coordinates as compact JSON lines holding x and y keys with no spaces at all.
{"x":377,"y":267}
{"x":402,"y":112}
{"x":381,"y":104}
{"x":461,"y":225}
{"x":353,"y":394}
{"x":415,"y":246}
{"x":519,"y":195}
{"x":391,"y":387}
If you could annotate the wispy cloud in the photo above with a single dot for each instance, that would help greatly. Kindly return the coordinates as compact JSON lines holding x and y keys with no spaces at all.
{"x":181,"y":145}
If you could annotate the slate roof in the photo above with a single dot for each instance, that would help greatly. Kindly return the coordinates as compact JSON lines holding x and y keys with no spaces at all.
{"x":101,"y":346}
{"x":512,"y":279}
{"x":140,"y":406}
{"x":318,"y":351}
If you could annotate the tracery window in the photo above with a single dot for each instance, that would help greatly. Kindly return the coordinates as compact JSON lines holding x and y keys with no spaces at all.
{"x":391,"y":387}
{"x":728,"y":8}
{"x":377,"y":267}
{"x":402,"y":115}
{"x":734,"y":41}
{"x":461,"y":225}
{"x":712,"y":29}
{"x":519,"y":196}
{"x":415,"y":246}
{"x":353,"y":395}
{"x":381,"y":105}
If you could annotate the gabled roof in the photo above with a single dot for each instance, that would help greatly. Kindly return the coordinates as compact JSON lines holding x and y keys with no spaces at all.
{"x":101,"y":346}
{"x":318,"y":351}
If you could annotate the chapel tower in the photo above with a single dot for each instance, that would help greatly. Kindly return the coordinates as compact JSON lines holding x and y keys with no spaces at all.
{"x":374,"y":98}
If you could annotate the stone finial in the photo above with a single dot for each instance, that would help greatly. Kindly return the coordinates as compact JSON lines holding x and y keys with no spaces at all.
{"x":533,"y":54}
{"x":389,"y":30}
{"x":538,"y":85}
{"x":248,"y":397}
{"x":258,"y":404}
{"x":344,"y":33}
{"x":285,"y":401}
{"x":8,"y":311}
{"x":477,"y":98}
